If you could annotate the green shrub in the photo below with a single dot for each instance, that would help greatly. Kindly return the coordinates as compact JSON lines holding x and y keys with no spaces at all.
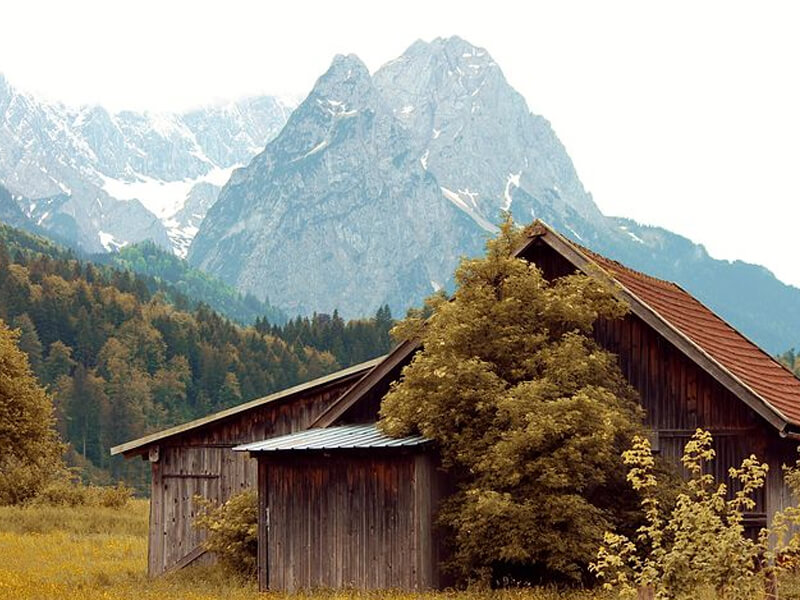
{"x":699,"y":546}
{"x":232,"y":530}
{"x":529,"y":413}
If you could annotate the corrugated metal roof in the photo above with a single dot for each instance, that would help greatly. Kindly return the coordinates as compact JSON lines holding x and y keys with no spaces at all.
{"x":332,"y":438}
{"x":142,"y":442}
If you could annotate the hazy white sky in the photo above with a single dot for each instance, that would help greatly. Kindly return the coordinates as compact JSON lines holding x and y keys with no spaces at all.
{"x":680,"y":114}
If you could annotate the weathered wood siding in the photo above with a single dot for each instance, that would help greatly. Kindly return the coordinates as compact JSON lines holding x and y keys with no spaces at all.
{"x":349,"y":519}
{"x":679,"y":397}
{"x":201,"y":462}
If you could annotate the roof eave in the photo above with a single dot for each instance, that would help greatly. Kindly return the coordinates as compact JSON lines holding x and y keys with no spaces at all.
{"x":140,"y":446}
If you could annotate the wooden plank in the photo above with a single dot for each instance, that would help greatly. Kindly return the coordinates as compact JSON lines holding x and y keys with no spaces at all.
{"x":263,"y":526}
{"x":155,"y":538}
{"x":187,"y":559}
{"x":378,"y":373}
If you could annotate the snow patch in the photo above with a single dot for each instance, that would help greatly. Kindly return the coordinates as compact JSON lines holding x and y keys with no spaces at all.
{"x":407,"y":109}
{"x":471,"y":212}
{"x":162,"y":198}
{"x":575,"y":233}
{"x":437,"y":133}
{"x":315,"y":149}
{"x":424,"y":159}
{"x":632,"y":235}
{"x":512,"y":179}
{"x":436,"y":285}
{"x":110,"y":243}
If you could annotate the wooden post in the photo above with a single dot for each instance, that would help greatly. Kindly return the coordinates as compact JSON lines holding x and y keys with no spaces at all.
{"x":263,"y":526}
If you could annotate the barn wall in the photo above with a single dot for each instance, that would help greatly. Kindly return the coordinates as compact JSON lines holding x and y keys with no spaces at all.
{"x":679,"y":397}
{"x":202,"y":463}
{"x":350,"y":519}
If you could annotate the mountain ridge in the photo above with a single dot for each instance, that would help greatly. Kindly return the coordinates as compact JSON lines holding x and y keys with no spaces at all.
{"x":464,"y":130}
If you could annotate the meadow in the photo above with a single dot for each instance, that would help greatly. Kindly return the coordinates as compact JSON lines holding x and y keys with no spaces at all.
{"x":93,"y":553}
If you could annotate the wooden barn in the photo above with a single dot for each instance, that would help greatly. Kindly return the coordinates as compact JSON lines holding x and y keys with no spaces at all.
{"x":341,"y":505}
{"x":197,"y":458}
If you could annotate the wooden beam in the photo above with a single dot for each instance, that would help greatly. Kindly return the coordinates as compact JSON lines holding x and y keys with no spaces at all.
{"x":377,"y":374}
{"x":187,"y":559}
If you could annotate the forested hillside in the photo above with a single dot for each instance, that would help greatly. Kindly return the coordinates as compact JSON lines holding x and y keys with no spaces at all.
{"x":124,"y":355}
{"x":146,"y":258}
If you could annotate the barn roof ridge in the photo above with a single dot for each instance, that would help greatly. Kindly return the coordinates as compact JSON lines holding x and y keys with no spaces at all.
{"x":149,"y":439}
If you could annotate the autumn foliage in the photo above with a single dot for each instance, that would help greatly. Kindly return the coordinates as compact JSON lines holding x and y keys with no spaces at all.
{"x":530,"y":414}
{"x":30,"y":451}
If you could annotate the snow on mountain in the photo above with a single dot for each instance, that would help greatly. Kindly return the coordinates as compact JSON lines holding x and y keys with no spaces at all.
{"x":84,"y":167}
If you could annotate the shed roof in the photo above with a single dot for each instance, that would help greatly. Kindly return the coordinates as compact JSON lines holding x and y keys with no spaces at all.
{"x":334,"y":438}
{"x":138,"y":445}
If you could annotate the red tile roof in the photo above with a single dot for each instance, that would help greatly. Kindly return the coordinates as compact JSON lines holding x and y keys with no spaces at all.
{"x":759,"y":371}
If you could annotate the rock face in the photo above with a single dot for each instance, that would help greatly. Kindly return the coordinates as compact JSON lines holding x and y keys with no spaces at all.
{"x":105,"y":180}
{"x":378,"y":184}
{"x":337,"y":211}
{"x":475,"y":133}
{"x":11,"y":213}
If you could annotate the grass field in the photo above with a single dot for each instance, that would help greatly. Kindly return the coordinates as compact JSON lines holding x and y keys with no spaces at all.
{"x":87,"y":553}
{"x":82,"y":553}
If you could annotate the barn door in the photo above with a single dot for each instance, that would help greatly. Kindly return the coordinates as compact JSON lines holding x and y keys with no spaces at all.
{"x":187,"y":472}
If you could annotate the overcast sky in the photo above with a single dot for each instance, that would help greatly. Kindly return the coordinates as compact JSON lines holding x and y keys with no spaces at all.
{"x":679,"y":114}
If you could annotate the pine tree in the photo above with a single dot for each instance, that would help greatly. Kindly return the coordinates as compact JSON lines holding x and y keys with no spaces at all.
{"x":29,"y":341}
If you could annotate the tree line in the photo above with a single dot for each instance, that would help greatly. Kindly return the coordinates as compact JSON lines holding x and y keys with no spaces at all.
{"x":791,"y":359}
{"x":121,"y":359}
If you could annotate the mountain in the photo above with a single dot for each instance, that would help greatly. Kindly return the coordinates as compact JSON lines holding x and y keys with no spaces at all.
{"x":11,"y":213}
{"x":337,"y":211}
{"x":378,"y":184}
{"x":103,"y":180}
{"x":475,"y":133}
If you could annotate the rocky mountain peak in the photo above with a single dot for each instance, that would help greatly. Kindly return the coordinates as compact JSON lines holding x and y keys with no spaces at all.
{"x":347,"y":80}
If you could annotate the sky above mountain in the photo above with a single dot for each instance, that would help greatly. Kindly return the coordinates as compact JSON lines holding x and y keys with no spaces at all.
{"x":682,"y":115}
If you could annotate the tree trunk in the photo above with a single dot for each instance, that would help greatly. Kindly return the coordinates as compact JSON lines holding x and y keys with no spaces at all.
{"x":646,"y":593}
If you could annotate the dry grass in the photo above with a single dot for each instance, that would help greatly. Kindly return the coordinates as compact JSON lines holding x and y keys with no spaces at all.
{"x":91,"y":553}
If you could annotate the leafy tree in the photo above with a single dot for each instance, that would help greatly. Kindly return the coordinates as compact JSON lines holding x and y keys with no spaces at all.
{"x":30,"y":451}
{"x":58,"y":363}
{"x":529,"y":413}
